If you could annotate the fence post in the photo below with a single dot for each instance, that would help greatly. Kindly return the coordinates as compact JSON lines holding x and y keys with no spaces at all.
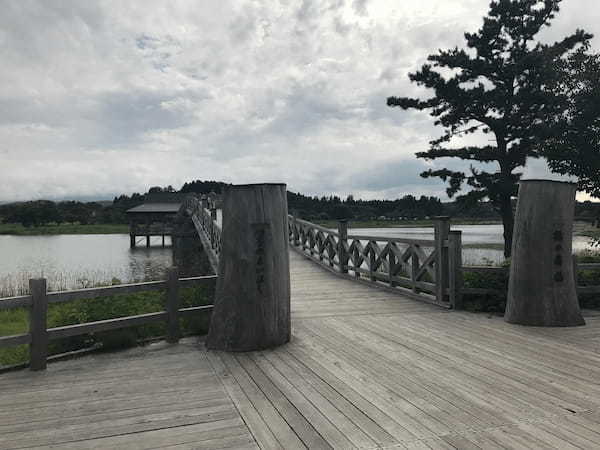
{"x":213,"y":213}
{"x":342,"y":244}
{"x":442,"y":227}
{"x":455,"y":268}
{"x":172,"y":306}
{"x":391,"y":264}
{"x":295,"y":233}
{"x":38,"y":348}
{"x":414,"y":268}
{"x":372,"y":257}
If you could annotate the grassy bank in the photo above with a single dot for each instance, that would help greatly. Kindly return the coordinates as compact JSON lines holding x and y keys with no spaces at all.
{"x":496,"y":302}
{"x":89,"y":310}
{"x":402,"y":223}
{"x":63,"y":228}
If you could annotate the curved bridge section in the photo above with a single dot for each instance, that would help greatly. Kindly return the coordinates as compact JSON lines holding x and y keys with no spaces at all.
{"x":204,"y":217}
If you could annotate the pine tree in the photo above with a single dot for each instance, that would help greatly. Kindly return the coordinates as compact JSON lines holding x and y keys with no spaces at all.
{"x":575,"y":148}
{"x":498,"y":86}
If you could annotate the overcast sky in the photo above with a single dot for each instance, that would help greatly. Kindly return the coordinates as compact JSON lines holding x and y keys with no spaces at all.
{"x":105,"y":97}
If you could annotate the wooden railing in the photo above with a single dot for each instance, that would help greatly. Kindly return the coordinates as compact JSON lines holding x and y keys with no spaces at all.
{"x":428,"y":269}
{"x":39,"y":298}
{"x":431,"y":270}
{"x":209,"y":231}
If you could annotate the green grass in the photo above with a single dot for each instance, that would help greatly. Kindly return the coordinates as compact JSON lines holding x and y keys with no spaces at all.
{"x":496,"y":302}
{"x":63,"y":228}
{"x":402,"y":223}
{"x":89,"y":310}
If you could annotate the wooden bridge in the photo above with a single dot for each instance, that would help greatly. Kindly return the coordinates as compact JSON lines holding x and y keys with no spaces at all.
{"x":366,"y":368}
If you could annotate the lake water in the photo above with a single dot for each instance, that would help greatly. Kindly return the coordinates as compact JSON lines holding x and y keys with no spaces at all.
{"x":487,"y":235}
{"x":74,"y":261}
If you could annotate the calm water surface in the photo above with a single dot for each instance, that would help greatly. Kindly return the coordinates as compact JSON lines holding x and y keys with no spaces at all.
{"x":70,"y":261}
{"x":471,"y":236}
{"x":73,"y":261}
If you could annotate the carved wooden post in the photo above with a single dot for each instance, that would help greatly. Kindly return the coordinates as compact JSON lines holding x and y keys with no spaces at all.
{"x":442,"y":228}
{"x":252,"y":304}
{"x":541,"y":288}
{"x":38,"y":348}
{"x":342,"y":245}
{"x":172,"y":307}
{"x":455,"y":268}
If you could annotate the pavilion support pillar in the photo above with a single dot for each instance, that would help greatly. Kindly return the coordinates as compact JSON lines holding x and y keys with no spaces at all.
{"x":541,"y":289}
{"x":147,"y":240}
{"x":252,"y":302}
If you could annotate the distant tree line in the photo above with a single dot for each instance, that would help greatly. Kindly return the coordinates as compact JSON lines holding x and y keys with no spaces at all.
{"x":333,"y":207}
{"x":409,"y":207}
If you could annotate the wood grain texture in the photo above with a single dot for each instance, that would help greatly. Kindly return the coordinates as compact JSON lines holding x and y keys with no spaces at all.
{"x":365,"y":368}
{"x":252,"y":300}
{"x":542,"y":288}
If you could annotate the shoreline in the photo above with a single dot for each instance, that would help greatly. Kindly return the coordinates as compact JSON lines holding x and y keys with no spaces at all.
{"x":10,"y":229}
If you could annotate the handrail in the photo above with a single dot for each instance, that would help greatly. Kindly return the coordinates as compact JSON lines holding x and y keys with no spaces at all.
{"x":209,"y":231}
{"x":418,"y":267}
{"x":402,"y":263}
{"x":39,"y":334}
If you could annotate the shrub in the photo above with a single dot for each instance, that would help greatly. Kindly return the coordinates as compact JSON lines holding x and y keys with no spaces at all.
{"x":103,"y":308}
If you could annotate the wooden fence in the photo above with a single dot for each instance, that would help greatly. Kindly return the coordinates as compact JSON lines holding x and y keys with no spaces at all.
{"x":426,"y":269}
{"x":39,"y":298}
{"x":209,"y":231}
{"x":429,"y":270}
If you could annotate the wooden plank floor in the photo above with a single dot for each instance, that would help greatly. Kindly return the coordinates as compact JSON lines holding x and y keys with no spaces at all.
{"x":365,"y":369}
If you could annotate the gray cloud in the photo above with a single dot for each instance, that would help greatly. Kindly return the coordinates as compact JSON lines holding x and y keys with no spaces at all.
{"x":103,"y":97}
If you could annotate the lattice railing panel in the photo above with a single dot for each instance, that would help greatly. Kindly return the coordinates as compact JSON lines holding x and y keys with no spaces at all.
{"x":397,"y":262}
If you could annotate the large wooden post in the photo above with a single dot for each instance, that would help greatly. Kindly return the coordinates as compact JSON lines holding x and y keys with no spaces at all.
{"x":252,"y":303}
{"x":541,"y":289}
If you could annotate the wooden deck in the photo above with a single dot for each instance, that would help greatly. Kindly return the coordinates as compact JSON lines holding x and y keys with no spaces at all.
{"x":365,"y":369}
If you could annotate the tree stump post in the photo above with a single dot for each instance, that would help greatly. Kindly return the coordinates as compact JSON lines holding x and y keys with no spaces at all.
{"x":541,"y":288}
{"x":252,"y":302}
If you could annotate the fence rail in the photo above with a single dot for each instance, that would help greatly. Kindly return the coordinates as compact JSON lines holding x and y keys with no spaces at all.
{"x":39,"y":298}
{"x":209,"y":231}
{"x":424,"y":268}
{"x":430,"y":270}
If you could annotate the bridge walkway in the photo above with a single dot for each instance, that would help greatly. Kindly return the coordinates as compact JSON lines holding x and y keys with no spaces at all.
{"x":366,"y":368}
